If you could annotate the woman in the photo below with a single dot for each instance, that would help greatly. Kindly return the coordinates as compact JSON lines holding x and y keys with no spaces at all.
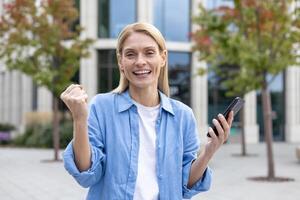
{"x":136,"y":142}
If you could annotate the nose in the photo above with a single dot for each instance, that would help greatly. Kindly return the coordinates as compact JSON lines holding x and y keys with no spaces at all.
{"x":140,"y":60}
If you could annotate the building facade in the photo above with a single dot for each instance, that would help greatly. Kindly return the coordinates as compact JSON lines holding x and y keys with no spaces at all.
{"x":103,"y":20}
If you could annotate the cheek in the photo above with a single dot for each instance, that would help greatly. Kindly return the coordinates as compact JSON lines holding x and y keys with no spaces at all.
{"x":124,"y":66}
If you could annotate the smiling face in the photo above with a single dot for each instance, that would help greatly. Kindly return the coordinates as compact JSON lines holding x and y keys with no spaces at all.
{"x":141,"y":61}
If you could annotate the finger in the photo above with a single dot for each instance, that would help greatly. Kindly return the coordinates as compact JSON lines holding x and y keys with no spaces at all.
{"x":62,"y":96}
{"x":77,"y":91}
{"x":71,"y":87}
{"x":219,"y":128}
{"x":67,"y":91}
{"x":85,"y":97}
{"x":78,"y":88}
{"x":224,"y":123}
{"x":81,"y":87}
{"x":212,"y":134}
{"x":81,"y":98}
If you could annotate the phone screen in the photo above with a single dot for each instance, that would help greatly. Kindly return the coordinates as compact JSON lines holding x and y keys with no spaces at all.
{"x":234,"y":106}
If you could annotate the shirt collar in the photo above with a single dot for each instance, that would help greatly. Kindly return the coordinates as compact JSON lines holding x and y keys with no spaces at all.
{"x":125,"y":102}
{"x":166,"y":103}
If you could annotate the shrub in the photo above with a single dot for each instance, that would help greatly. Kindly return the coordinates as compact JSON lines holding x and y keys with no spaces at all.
{"x":5,"y":132}
{"x":40,"y":135}
{"x":6,"y":127}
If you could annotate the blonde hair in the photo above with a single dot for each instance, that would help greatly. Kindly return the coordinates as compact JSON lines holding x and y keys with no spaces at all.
{"x":154,"y":33}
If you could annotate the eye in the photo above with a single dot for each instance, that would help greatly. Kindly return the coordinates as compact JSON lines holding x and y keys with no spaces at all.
{"x":129,"y":54}
{"x":150,"y":52}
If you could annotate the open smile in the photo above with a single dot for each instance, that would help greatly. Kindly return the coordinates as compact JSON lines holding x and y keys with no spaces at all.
{"x":141,"y":72}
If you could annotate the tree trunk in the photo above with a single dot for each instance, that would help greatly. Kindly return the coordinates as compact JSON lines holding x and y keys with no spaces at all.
{"x":268,"y":130}
{"x":243,"y":140}
{"x":55,"y":124}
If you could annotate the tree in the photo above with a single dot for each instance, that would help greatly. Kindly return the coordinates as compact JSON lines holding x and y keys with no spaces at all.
{"x":40,"y":40}
{"x":223,"y":74}
{"x":258,"y":38}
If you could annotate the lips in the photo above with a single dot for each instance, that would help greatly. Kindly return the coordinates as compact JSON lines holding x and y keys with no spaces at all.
{"x":142,"y":72}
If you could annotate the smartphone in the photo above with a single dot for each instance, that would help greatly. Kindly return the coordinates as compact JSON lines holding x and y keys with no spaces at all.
{"x":236,"y":104}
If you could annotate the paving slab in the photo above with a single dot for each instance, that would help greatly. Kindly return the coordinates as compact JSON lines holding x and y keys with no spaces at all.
{"x":24,"y":174}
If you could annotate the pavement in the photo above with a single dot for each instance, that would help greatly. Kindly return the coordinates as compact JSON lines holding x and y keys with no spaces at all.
{"x":29,"y":174}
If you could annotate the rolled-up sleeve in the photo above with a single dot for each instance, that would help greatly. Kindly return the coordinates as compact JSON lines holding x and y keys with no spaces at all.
{"x":91,"y":176}
{"x":191,"y":147}
{"x":200,"y":186}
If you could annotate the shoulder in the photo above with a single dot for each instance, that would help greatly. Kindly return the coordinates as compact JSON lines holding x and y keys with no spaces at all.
{"x":181,"y":110}
{"x":174,"y":106}
{"x":102,"y":100}
{"x":180,"y":107}
{"x":103,"y":97}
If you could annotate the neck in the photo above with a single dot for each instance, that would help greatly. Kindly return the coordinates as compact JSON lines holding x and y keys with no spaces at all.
{"x":145,"y":96}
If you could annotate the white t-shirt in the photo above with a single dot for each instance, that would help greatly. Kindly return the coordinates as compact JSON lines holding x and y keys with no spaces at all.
{"x":146,"y":184}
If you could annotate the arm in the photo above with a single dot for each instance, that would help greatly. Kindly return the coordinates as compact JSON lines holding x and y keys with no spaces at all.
{"x":81,"y":145}
{"x":75,"y":98}
{"x":214,"y":143}
{"x":84,"y":158}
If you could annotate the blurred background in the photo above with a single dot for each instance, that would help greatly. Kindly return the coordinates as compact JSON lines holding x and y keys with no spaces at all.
{"x":33,"y":121}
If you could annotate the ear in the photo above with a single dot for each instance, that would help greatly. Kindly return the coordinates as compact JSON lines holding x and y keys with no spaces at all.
{"x":164,"y":58}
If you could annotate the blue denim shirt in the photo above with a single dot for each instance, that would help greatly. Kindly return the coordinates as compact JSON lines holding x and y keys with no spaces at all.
{"x":114,"y":138}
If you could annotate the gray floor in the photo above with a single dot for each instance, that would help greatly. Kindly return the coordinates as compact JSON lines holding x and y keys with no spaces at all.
{"x":24,"y":174}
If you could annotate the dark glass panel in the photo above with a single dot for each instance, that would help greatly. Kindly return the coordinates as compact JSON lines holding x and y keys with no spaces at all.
{"x":179,"y":76}
{"x":113,"y":15}
{"x":108,"y":71}
{"x":172,"y":18}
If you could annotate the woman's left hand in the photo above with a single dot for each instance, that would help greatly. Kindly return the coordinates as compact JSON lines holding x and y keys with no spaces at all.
{"x":213,"y":144}
{"x":223,"y":127}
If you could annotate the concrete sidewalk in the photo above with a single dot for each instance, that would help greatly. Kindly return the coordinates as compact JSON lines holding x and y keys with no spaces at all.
{"x":231,"y":172}
{"x":24,"y":174}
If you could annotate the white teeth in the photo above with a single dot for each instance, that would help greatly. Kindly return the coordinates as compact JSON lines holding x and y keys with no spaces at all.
{"x":142,"y":72}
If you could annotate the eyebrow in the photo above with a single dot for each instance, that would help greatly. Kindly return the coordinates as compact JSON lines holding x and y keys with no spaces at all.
{"x":148,"y":47}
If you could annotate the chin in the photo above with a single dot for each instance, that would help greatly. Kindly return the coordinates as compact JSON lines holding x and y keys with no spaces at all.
{"x":142,"y":85}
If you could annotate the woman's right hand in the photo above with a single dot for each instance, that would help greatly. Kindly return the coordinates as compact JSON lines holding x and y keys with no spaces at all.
{"x":75,"y":99}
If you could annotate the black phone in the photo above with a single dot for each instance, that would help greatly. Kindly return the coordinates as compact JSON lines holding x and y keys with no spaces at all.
{"x":236,"y":104}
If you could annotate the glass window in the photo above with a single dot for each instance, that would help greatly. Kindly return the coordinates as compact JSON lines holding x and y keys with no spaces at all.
{"x":211,"y":4}
{"x":217,"y":99}
{"x":179,"y":76}
{"x":113,"y":15}
{"x":218,"y":102}
{"x":172,"y":18}
{"x":108,"y":71}
{"x":77,"y":21}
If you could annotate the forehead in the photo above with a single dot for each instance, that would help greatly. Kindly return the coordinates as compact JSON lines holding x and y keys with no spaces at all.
{"x":139,"y":40}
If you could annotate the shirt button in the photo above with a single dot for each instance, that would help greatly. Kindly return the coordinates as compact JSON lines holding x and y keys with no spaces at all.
{"x":160,"y":176}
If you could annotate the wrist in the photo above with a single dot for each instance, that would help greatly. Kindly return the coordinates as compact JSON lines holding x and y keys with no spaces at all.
{"x":80,"y":120}
{"x":206,"y":154}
